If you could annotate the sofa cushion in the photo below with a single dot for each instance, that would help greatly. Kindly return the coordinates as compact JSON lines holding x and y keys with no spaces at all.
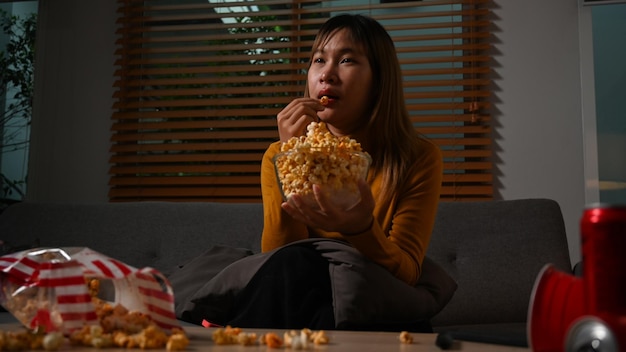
{"x":495,"y":250}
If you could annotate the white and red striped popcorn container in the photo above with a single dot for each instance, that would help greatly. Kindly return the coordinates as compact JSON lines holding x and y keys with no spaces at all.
{"x":47,"y":287}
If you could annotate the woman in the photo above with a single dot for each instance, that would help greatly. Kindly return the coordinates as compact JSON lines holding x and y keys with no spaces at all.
{"x":354,"y":64}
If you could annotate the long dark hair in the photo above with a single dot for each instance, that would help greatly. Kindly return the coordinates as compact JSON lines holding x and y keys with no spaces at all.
{"x":392,"y":140}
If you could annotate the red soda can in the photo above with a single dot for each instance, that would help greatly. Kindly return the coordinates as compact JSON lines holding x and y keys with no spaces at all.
{"x":603,"y":235}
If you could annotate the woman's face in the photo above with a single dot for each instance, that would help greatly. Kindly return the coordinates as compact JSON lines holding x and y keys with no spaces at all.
{"x":341,"y":71}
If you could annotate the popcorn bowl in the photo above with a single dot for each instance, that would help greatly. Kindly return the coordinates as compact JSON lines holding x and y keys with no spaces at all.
{"x":336,"y":171}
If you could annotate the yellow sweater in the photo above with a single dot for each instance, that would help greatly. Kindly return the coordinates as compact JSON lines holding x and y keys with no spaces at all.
{"x":400,"y":233}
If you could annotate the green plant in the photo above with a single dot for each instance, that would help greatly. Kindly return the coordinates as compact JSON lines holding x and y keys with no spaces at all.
{"x":16,"y":86}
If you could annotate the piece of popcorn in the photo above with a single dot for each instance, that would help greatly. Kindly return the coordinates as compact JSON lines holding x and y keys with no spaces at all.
{"x":319,"y":337}
{"x":53,"y":341}
{"x":405,"y":337}
{"x":177,"y":342}
{"x":273,"y":341}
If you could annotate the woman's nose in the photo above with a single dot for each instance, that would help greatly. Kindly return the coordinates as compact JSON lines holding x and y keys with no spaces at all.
{"x":328,"y":76}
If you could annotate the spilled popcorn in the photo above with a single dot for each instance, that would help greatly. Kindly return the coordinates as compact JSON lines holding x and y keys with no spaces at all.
{"x":115,"y":327}
{"x":297,"y":340}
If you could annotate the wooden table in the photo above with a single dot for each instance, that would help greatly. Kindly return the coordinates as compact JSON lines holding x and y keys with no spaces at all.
{"x":352,"y":341}
{"x":344,"y":341}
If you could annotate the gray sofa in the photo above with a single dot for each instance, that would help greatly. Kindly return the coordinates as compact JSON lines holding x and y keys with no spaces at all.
{"x":494,"y":250}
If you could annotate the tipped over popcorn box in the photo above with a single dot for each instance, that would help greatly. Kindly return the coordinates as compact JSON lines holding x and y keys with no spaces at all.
{"x":64,"y":289}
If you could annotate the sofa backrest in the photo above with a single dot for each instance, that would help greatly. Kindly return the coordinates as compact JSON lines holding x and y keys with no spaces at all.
{"x":161,"y":235}
{"x":495,"y":250}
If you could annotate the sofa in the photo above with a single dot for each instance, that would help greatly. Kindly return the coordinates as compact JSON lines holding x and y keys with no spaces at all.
{"x":493,"y":250}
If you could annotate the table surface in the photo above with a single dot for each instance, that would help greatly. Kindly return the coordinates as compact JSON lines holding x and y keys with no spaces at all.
{"x":344,"y":341}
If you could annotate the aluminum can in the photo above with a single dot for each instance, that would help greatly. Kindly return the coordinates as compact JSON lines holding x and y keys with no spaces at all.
{"x":603,"y":236}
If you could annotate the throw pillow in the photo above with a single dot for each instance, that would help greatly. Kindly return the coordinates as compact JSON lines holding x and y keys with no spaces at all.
{"x":188,"y":278}
{"x":365,"y":295}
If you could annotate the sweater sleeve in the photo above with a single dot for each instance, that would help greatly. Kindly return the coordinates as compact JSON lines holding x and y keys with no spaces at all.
{"x":400,"y":234}
{"x":278,"y":227}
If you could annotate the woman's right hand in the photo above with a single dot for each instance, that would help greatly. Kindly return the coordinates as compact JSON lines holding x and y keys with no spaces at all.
{"x":295,"y":117}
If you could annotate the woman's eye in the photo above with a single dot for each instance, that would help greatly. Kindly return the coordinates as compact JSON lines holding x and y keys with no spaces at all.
{"x":318,"y":60}
{"x":346,"y":60}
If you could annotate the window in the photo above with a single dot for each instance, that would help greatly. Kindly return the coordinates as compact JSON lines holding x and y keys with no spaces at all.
{"x":609,"y":70}
{"x":200,"y":82}
{"x":18,"y":20}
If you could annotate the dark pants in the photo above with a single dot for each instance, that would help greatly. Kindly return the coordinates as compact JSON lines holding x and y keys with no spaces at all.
{"x":291,"y":291}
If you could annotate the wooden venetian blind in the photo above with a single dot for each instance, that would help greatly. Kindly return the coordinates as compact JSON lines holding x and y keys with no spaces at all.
{"x":199,"y":84}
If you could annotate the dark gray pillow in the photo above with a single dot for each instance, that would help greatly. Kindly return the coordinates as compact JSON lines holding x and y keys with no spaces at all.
{"x":188,"y":278}
{"x":364,"y":293}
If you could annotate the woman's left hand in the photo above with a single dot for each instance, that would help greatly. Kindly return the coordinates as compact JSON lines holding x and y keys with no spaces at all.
{"x":329,"y":217}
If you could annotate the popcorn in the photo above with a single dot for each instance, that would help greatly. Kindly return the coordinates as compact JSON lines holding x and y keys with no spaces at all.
{"x":178,"y":341}
{"x":273,"y":341}
{"x":321,"y":158}
{"x":302,"y":340}
{"x":318,"y":136}
{"x":150,"y":337}
{"x":53,"y":341}
{"x":319,"y":337}
{"x":405,"y":337}
{"x":234,"y":336}
{"x":56,"y":293}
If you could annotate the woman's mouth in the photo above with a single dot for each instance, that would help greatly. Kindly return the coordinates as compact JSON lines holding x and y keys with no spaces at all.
{"x":326,"y":98}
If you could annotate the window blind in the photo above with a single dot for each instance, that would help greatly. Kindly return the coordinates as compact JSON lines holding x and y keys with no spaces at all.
{"x":199,"y":83}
